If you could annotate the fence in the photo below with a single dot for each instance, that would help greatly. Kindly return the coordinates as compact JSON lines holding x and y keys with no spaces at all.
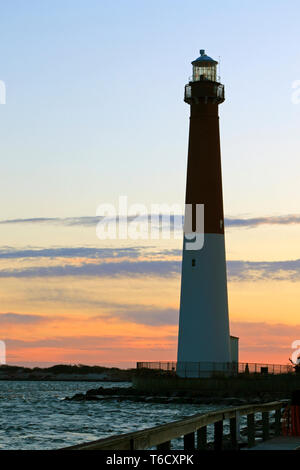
{"x":194,"y":430}
{"x":201,"y":369}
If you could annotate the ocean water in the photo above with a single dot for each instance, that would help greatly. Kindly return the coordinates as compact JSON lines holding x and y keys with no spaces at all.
{"x":34,"y":415}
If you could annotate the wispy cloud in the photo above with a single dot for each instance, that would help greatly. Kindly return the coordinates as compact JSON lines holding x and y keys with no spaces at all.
{"x":91,"y":221}
{"x":23,"y":319}
{"x":67,"y":221}
{"x":254,"y":330}
{"x":256,"y":221}
{"x":109,"y":310}
{"x":238,"y":270}
{"x":69,"y":252}
{"x":160,"y":268}
{"x":139,"y":314}
{"x":144,"y":315}
{"x":90,"y":342}
{"x":264,"y":270}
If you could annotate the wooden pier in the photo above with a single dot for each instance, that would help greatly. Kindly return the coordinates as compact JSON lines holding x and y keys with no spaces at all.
{"x":194,"y":431}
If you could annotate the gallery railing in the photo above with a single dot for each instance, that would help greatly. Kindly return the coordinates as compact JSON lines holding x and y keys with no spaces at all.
{"x":216,"y":368}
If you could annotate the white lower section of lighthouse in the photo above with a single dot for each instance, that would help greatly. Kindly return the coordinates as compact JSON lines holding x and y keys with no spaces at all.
{"x":203,"y":322}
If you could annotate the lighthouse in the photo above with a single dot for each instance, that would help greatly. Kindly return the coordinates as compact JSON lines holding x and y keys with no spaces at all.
{"x":203,"y":339}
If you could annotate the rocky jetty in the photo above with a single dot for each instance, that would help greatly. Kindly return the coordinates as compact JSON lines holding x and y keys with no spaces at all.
{"x":178,"y":396}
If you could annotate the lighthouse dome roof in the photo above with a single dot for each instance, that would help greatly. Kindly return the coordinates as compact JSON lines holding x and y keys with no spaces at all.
{"x":204,"y":59}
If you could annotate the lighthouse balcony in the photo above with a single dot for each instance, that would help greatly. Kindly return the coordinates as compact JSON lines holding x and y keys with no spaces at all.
{"x":204,"y":91}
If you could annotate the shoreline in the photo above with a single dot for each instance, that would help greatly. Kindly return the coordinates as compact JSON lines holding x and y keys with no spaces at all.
{"x":14,"y":379}
{"x":48,"y":379}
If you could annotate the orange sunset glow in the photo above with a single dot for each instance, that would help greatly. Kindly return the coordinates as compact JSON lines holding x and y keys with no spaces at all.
{"x":115,"y":305}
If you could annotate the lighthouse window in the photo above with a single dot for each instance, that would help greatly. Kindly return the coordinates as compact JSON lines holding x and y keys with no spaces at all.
{"x":188,"y":91}
{"x":205,"y":73}
{"x":193,"y":262}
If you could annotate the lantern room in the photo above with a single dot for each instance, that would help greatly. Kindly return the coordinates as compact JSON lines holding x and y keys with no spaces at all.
{"x":204,"y":68}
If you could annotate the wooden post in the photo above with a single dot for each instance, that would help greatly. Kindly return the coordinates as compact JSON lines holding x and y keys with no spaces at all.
{"x":251,"y":429}
{"x":189,"y":441}
{"x":164,"y":446}
{"x":131,"y":444}
{"x":265,"y":424}
{"x":202,"y":438}
{"x":278,"y":422}
{"x":235,"y":430}
{"x":218,"y":435}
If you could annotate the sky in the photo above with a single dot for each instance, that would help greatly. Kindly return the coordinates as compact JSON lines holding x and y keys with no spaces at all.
{"x":93,"y":111}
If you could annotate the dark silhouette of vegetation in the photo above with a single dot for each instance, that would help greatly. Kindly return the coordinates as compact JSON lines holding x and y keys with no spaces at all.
{"x":111,"y":373}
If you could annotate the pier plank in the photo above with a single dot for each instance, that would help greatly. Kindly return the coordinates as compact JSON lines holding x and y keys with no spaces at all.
{"x":279,"y":443}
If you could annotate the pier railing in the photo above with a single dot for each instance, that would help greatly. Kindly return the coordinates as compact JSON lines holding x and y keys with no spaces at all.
{"x":194,"y":430}
{"x":199,"y":369}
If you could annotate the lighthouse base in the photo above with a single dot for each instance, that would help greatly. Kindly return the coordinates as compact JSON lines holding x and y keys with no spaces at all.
{"x":206,"y":369}
{"x":203,"y":323}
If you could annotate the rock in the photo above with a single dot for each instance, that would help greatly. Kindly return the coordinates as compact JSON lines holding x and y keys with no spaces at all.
{"x":234,"y":401}
{"x":94,"y":391}
{"x":149,"y":399}
{"x":78,"y":397}
{"x":92,"y":398}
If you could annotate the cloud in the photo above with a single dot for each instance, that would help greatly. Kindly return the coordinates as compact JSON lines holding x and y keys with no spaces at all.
{"x":22,"y":319}
{"x":143,"y":314}
{"x":67,"y":221}
{"x":159,"y":268}
{"x":256,"y":221}
{"x":139,"y":314}
{"x":238,"y":270}
{"x":134,"y":313}
{"x":175,"y":220}
{"x":95,"y":262}
{"x":88,"y":221}
{"x":263,"y":329}
{"x":69,"y":252}
{"x":90,"y":342}
{"x":264,"y":270}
